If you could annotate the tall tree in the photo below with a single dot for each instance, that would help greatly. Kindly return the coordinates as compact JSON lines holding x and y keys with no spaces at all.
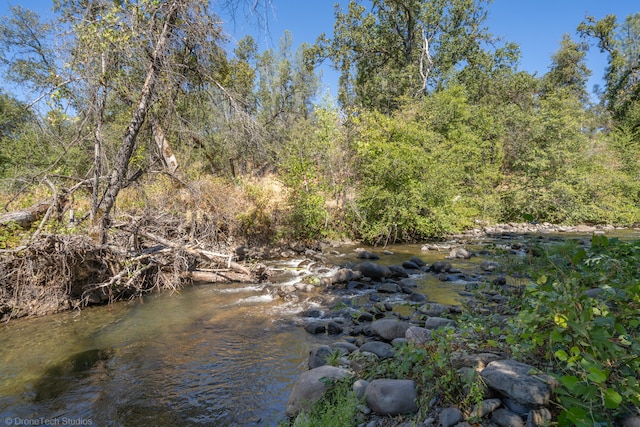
{"x":622,"y":76}
{"x":568,"y":70}
{"x":402,"y":48}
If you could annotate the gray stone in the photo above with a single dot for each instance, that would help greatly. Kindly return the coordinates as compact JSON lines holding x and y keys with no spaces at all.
{"x":389,"y":329}
{"x":460,"y":253}
{"x":417,"y":297}
{"x":538,"y":417}
{"x":479,"y":360}
{"x":505,"y":418}
{"x":440,"y":267}
{"x":516,"y":407}
{"x":438,"y":322}
{"x":392,"y":397}
{"x":367,"y":255}
{"x":315,"y":327}
{"x":373,"y":270}
{"x":629,"y":421}
{"x":410,"y":265}
{"x":488,"y":266}
{"x":450,"y":417}
{"x":485,"y":408}
{"x":380,"y":349}
{"x":318,"y":356}
{"x":334,"y":329}
{"x":408,"y":283}
{"x":418,"y":335}
{"x":343,"y":275}
{"x":433,"y":309}
{"x":309,"y":387}
{"x":419,"y":262}
{"x":388,"y":288}
{"x":359,"y":388}
{"x":345,"y":345}
{"x":513,"y":379}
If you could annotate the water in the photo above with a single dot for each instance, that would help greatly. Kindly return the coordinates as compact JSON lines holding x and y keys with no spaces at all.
{"x":211,"y":355}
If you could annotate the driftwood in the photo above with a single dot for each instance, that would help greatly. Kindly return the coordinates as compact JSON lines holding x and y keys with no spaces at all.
{"x":208,"y":255}
{"x":26,"y":217}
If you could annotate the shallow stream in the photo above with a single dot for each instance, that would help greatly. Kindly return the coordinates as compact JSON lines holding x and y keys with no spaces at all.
{"x":211,"y":354}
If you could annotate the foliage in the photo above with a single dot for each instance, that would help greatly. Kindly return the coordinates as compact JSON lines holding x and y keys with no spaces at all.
{"x":581,"y":315}
{"x":338,"y":407}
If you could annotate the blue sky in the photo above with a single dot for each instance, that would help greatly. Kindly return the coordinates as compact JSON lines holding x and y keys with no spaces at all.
{"x":536,"y":25}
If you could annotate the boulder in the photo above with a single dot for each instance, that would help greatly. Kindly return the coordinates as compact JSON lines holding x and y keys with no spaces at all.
{"x":388,"y":288}
{"x":505,"y":418}
{"x":419,"y":262}
{"x":433,"y":309}
{"x":315,"y":327}
{"x":450,"y":417}
{"x":392,"y":397}
{"x":344,"y":275}
{"x":310,"y":386}
{"x":367,"y":255}
{"x":513,"y":380}
{"x":460,"y":253}
{"x":373,"y":270}
{"x":389,"y":329}
{"x":381,"y":349}
{"x":418,"y":335}
{"x":417,"y":297}
{"x":441,"y":267}
{"x":318,"y":356}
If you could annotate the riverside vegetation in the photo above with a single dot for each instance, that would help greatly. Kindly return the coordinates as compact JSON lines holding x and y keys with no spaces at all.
{"x":571,"y":322}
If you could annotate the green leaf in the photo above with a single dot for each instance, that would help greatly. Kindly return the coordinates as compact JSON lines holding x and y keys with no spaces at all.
{"x":597,"y":375}
{"x":569,"y":381}
{"x":612,"y":398}
{"x":562,"y":355}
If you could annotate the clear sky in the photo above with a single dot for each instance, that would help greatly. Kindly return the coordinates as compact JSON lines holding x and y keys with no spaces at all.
{"x":536,"y":25}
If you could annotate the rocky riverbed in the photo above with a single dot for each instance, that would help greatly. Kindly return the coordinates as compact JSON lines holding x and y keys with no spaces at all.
{"x":377,"y":313}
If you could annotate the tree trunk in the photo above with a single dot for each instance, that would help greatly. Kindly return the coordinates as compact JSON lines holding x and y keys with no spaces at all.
{"x":119,"y":173}
{"x":166,"y":152}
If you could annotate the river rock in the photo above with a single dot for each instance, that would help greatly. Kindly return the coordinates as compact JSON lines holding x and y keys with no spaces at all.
{"x":315,"y":327}
{"x":417,"y":261}
{"x":392,"y":397}
{"x":438,"y":322}
{"x":389,"y":329}
{"x":344,"y":275}
{"x":417,"y":297}
{"x":381,"y":349}
{"x":460,"y":253}
{"x":359,"y":388}
{"x":397,"y":271}
{"x":441,"y":267}
{"x":449,"y":417}
{"x":476,"y":361}
{"x":538,"y":417}
{"x":388,"y":288}
{"x":418,"y":335}
{"x":334,"y":329}
{"x":410,"y":265}
{"x":488,"y":266}
{"x":512,"y":379}
{"x":433,"y":309}
{"x":408,"y":283}
{"x":505,"y":418}
{"x":485,"y":408}
{"x":310,"y":386}
{"x":629,"y":421}
{"x":318,"y":356}
{"x":367,"y":255}
{"x":373,"y":270}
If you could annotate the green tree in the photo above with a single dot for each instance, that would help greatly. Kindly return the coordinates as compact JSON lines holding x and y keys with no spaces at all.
{"x":402,"y":48}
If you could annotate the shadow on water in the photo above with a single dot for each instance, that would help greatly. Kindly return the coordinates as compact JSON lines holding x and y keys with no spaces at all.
{"x":62,"y":377}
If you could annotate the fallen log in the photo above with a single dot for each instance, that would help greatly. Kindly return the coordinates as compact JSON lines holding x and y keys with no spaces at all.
{"x":26,"y":217}
{"x":208,"y":255}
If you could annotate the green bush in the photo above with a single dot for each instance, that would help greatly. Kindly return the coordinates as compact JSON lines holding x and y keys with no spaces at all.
{"x":592,"y":342}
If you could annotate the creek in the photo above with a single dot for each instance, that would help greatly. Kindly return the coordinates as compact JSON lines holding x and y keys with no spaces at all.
{"x":211,"y":354}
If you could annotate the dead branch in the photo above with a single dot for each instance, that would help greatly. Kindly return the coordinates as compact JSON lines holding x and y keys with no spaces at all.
{"x":208,"y":255}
